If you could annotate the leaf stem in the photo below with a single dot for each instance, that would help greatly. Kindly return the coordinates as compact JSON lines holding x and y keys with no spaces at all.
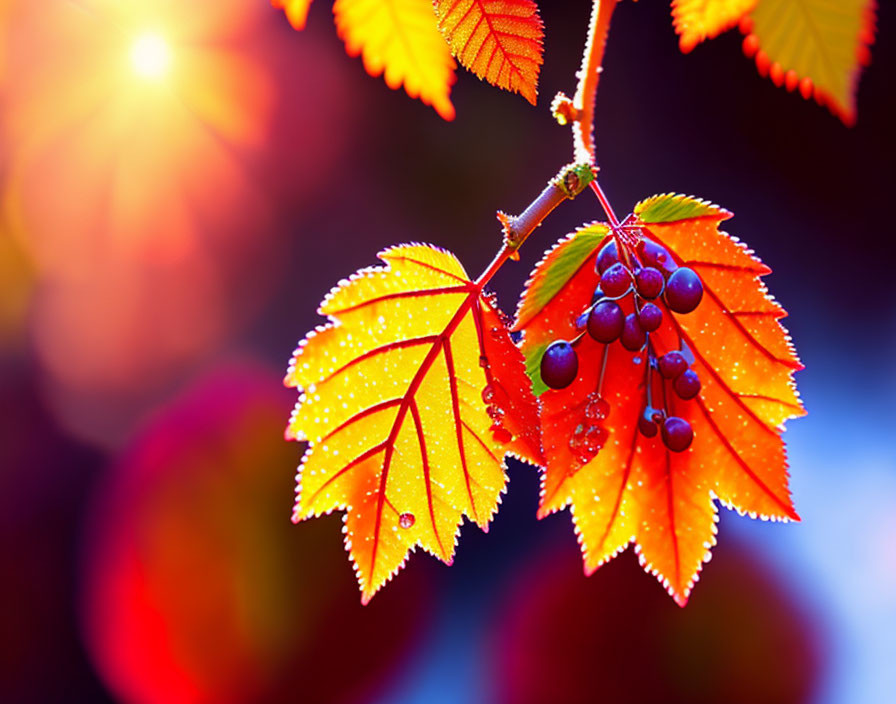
{"x":605,"y":204}
{"x":502,"y":256}
{"x":621,"y":245}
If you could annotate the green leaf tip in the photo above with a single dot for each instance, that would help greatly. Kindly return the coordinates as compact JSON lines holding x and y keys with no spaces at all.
{"x":533,"y":368}
{"x":671,"y":207}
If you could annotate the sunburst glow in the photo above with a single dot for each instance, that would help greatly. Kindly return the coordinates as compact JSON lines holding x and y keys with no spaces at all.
{"x":150,"y":56}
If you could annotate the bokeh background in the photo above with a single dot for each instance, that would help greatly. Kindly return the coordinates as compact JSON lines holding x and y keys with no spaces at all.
{"x":164,"y":244}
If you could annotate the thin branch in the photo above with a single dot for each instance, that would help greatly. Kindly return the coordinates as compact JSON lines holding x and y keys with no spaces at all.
{"x":575,"y":177}
{"x":580,"y":110}
{"x":572,"y":180}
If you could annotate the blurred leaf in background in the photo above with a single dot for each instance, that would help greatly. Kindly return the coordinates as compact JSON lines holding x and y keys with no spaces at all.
{"x":140,"y":182}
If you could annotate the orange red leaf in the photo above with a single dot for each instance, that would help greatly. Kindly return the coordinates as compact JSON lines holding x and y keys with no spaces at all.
{"x":817,"y":46}
{"x":498,"y":40}
{"x":412,"y":396}
{"x":400,"y":39}
{"x":296,"y":11}
{"x":633,"y":488}
{"x":696,"y":20}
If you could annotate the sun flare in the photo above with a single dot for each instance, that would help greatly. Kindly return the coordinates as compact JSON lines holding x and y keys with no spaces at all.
{"x":150,"y":56}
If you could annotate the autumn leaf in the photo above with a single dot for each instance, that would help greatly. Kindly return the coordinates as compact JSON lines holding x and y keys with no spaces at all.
{"x":412,"y":396}
{"x":817,"y":45}
{"x":498,"y":40}
{"x":296,"y":11}
{"x":623,"y":486}
{"x":401,"y":40}
{"x":696,"y":20}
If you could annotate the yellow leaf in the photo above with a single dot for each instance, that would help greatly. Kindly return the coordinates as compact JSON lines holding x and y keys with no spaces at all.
{"x":818,"y":45}
{"x":696,"y":20}
{"x":296,"y":11}
{"x":400,"y":39}
{"x":498,"y":40}
{"x":411,"y":398}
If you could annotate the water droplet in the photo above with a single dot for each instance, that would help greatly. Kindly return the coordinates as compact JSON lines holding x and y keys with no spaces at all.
{"x":585,"y":443}
{"x":595,"y":437}
{"x":501,"y":434}
{"x":483,"y":361}
{"x":488,"y":393}
{"x":597,"y":409}
{"x":406,"y":520}
{"x":495,"y":413}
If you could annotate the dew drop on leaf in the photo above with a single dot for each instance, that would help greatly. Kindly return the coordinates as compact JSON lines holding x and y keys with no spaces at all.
{"x":597,"y":408}
{"x":595,"y":437}
{"x":501,"y":434}
{"x":406,"y":520}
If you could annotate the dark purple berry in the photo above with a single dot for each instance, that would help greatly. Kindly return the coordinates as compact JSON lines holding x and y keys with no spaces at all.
{"x":683,"y":290}
{"x":616,"y":280}
{"x":606,"y":321}
{"x":677,"y":434}
{"x":650,"y":317}
{"x":672,"y":364}
{"x":687,"y":384}
{"x":649,"y":282}
{"x":633,"y":336}
{"x":559,"y":365}
{"x":607,"y":257}
{"x":646,"y":423}
{"x":653,"y":255}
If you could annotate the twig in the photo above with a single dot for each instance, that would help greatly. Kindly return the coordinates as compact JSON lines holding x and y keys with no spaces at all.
{"x":579,"y":112}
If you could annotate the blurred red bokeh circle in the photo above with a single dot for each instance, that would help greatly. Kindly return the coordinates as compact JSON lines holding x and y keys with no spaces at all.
{"x":196,"y":586}
{"x":617,"y":637}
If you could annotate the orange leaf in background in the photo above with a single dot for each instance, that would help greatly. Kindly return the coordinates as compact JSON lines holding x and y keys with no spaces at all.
{"x":498,"y":40}
{"x":696,"y":20}
{"x":622,"y":485}
{"x":817,"y":45}
{"x":400,"y":39}
{"x":412,"y":396}
{"x":296,"y":11}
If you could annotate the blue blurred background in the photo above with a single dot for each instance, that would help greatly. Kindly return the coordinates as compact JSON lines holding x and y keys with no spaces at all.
{"x":159,"y":258}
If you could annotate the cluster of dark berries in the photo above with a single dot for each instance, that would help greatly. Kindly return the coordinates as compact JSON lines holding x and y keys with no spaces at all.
{"x":648,"y":274}
{"x":673,"y":369}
